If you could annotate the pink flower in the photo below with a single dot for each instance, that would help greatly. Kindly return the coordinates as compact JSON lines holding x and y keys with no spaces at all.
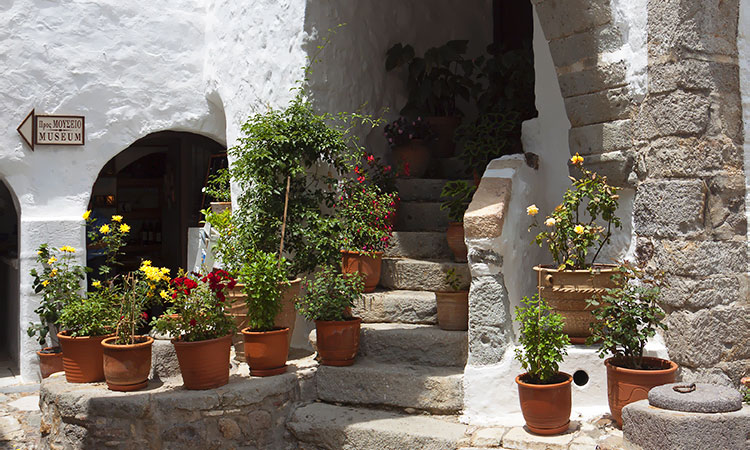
{"x":370,"y":158}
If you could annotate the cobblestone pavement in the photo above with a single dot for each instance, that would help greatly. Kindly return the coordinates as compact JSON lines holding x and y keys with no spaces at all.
{"x":19,"y":417}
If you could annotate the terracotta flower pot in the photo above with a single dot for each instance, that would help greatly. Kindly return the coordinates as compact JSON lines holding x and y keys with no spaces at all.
{"x":266,"y":352}
{"x":218,"y":207}
{"x":126,"y":367}
{"x":367,"y":265}
{"x":625,"y":386}
{"x":338,"y":341}
{"x":50,"y":361}
{"x":416,"y":154}
{"x":455,"y":237}
{"x":566,"y":292}
{"x":545,"y":407}
{"x":444,"y":128}
{"x":453,"y":310}
{"x":204,"y":364}
{"x":83,"y":357}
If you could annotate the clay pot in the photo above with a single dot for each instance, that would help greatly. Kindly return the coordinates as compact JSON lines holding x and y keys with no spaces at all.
{"x":444,"y":128}
{"x":126,"y":367}
{"x":625,"y":386}
{"x":338,"y":341}
{"x":455,"y":237}
{"x":453,"y":310}
{"x":83,"y":357}
{"x":50,"y":361}
{"x":367,"y":265}
{"x":566,"y":292}
{"x":266,"y":352}
{"x":204,"y":364}
{"x":545,"y":407}
{"x":416,"y":154}
{"x":218,"y":207}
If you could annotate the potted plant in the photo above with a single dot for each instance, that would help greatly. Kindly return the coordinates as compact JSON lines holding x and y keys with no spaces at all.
{"x":328,"y":300}
{"x":127,"y":355}
{"x":372,"y":171}
{"x":201,"y":329}
{"x":363,"y":212}
{"x":544,"y":391}
{"x":489,"y":136}
{"x":584,"y":221}
{"x":627,"y":317}
{"x":456,"y":196}
{"x":453,"y":305}
{"x":218,"y":189}
{"x":408,"y":141}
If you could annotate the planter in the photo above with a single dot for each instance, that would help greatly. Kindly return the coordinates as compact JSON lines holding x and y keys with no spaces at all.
{"x":455,"y":237}
{"x":126,"y":367}
{"x":416,"y":154}
{"x":50,"y":361}
{"x":453,"y":310}
{"x":367,"y":265}
{"x":444,"y":128}
{"x":545,"y":407}
{"x":266,"y":351}
{"x":204,"y":364}
{"x":338,"y":341}
{"x":83,"y":357}
{"x":566,"y":292}
{"x":218,"y":207}
{"x":625,"y":386}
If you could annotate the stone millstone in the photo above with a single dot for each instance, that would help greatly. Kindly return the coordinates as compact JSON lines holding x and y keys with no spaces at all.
{"x":706,"y":398}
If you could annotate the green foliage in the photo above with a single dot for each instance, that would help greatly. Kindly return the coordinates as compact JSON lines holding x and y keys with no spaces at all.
{"x":453,"y":279}
{"x":542,"y":339}
{"x":138,"y":290}
{"x":371,"y":170}
{"x":571,"y":235}
{"x":489,"y":136}
{"x":217,"y":186}
{"x":363,"y":211}
{"x":745,"y":391}
{"x":504,"y":81}
{"x":329,"y":295}
{"x":94,"y":315}
{"x":456,"y":196}
{"x":627,"y":316}
{"x":110,"y":237}
{"x":263,"y":275}
{"x":402,"y":131}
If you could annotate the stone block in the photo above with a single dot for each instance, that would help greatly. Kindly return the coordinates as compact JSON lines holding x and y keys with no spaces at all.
{"x":601,"y":77}
{"x":705,"y":398}
{"x":490,"y":320}
{"x":616,"y":166}
{"x":584,"y":48}
{"x":705,"y":292}
{"x":421,"y":216}
{"x":697,"y":258}
{"x":601,"y":137}
{"x":489,"y":437}
{"x":689,"y":157}
{"x":693,"y":74}
{"x":485,"y":216}
{"x":669,"y":208}
{"x":676,"y":113}
{"x":519,"y":438}
{"x":603,"y":106}
{"x":418,"y":275}
{"x":413,"y":344}
{"x":397,"y":306}
{"x":562,"y":18}
{"x":164,"y":362}
{"x":419,"y":245}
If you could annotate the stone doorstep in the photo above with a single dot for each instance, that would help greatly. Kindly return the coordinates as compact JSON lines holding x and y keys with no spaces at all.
{"x":421,"y":216}
{"x":413,"y":344}
{"x":420,"y":275}
{"x":419,"y":244}
{"x":397,"y":306}
{"x":422,"y":189}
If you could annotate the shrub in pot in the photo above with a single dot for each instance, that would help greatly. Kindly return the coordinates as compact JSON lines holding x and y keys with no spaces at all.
{"x":453,"y":305}
{"x":218,"y":190}
{"x":328,"y":300}
{"x":456,"y":196}
{"x":408,"y":140}
{"x":544,"y":391}
{"x":584,"y":221}
{"x":371,"y":170}
{"x":627,"y":317}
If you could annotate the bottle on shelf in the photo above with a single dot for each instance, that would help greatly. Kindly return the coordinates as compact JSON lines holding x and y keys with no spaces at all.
{"x":158,"y":233}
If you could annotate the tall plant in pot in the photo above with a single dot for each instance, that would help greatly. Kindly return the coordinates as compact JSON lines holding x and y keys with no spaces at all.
{"x":583,"y":222}
{"x":328,"y":300}
{"x":408,"y":140}
{"x":456,"y":197}
{"x":628,"y":316}
{"x":544,"y":391}
{"x":217,"y":189}
{"x":453,"y":305}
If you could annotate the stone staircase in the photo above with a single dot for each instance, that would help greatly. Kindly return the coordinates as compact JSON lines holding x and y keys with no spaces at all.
{"x":405,"y":389}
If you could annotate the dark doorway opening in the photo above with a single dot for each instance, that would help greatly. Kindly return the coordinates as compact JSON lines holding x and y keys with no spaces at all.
{"x":9,"y":284}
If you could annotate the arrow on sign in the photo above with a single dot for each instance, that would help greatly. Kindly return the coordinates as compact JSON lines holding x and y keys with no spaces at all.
{"x":26,"y":130}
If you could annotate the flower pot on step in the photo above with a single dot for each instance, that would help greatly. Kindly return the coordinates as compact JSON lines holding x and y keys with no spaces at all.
{"x":368,"y":266}
{"x":625,"y":386}
{"x":338,"y":341}
{"x":444,"y":128}
{"x":545,"y":407}
{"x":83,"y":357}
{"x":453,"y":310}
{"x":414,"y":158}
{"x":219,"y":207}
{"x":266,"y":352}
{"x":50,"y":361}
{"x":204,"y":364}
{"x":455,"y":237}
{"x":126,"y":367}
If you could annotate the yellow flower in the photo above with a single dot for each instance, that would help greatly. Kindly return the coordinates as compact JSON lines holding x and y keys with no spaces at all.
{"x":164,"y":295}
{"x":67,"y":248}
{"x":577,"y":159}
{"x":146,"y":262}
{"x":104,"y":229}
{"x":86,"y":215}
{"x":532,"y":210}
{"x":97,"y":284}
{"x":51,"y":260}
{"x":124,"y":228}
{"x":579,"y":229}
{"x":53,"y":273}
{"x":152,"y":286}
{"x":38,"y":252}
{"x":45,"y":283}
{"x":116,"y":218}
{"x":550,"y":222}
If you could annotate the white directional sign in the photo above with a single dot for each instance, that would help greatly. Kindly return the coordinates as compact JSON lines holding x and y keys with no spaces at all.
{"x":53,"y":130}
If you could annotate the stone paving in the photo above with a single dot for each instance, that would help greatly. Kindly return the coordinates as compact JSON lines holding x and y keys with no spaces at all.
{"x":19,"y":417}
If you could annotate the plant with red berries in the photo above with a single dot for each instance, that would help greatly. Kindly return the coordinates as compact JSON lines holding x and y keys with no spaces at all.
{"x":198,"y":312}
{"x":363,"y":212}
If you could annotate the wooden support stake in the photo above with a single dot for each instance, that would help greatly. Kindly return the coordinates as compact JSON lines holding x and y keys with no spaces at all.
{"x":283,"y":220}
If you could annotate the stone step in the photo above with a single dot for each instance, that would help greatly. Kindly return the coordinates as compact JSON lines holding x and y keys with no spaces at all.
{"x":397,"y":306}
{"x":400,"y":343}
{"x":450,"y":168}
{"x":419,"y":244}
{"x":421,"y":275}
{"x":340,"y":427}
{"x":421,"y":189}
{"x":438,"y":390}
{"x":421,"y":216}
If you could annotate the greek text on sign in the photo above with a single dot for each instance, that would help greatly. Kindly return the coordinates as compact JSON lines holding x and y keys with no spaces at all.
{"x":59,"y":130}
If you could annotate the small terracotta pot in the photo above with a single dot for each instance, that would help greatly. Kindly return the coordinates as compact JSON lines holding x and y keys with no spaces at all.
{"x":218,"y":207}
{"x":625,"y":386}
{"x":204,"y":364}
{"x":444,"y":128}
{"x":266,"y":352}
{"x":545,"y":407}
{"x":453,"y":310}
{"x":126,"y":367}
{"x":338,"y":341}
{"x":367,"y":265}
{"x":416,"y":154}
{"x":455,"y":237}
{"x":83,"y":357}
{"x":50,"y":361}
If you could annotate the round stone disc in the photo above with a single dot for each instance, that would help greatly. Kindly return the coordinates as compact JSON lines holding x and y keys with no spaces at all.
{"x":706,"y":398}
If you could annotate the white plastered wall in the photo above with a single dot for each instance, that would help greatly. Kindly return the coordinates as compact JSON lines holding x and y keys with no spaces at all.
{"x":743,"y":47}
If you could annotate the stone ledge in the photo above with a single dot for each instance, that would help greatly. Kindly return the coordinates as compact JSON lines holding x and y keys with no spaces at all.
{"x":486,"y":214}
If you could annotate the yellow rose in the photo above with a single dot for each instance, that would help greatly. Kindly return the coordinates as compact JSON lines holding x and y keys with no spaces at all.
{"x":124,"y":228}
{"x":164,"y":295}
{"x":45,"y":283}
{"x":532,"y":210}
{"x":550,"y":222}
{"x":51,"y":260}
{"x":67,"y":248}
{"x":577,"y":159}
{"x":86,"y":215}
{"x":146,"y":262}
{"x":116,"y":218}
{"x":579,"y":229}
{"x":53,"y":273}
{"x":104,"y":229}
{"x":97,"y":284}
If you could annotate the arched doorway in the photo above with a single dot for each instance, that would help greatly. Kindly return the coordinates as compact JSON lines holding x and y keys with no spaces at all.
{"x":9,"y":286}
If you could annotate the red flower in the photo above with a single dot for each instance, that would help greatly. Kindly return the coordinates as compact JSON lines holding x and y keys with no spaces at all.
{"x":144,"y":315}
{"x":370,"y":158}
{"x":406,"y":169}
{"x":192,"y":322}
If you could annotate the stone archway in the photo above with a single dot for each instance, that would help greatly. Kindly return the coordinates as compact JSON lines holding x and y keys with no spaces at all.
{"x":9,"y":282}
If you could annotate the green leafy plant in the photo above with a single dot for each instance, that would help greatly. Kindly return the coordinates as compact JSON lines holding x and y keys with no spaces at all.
{"x":138,"y":290}
{"x":94,"y":315}
{"x":110,"y":237}
{"x":453,"y":279}
{"x":263,"y":276}
{"x":329,"y":295}
{"x":745,"y":391}
{"x":456,"y":197}
{"x":372,"y":170}
{"x":402,"y":131}
{"x":504,"y":81}
{"x":542,"y":339}
{"x":574,"y":226}
{"x":363,"y":211}
{"x":217,"y":186}
{"x":627,"y":316}
{"x":490,"y":135}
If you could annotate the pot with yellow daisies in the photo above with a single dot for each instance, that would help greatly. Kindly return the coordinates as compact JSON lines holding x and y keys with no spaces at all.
{"x":575,"y":233}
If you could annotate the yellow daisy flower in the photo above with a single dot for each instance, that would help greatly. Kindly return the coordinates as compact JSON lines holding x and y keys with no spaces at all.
{"x":51,"y":260}
{"x":146,"y":262}
{"x":104,"y":229}
{"x":97,"y":284}
{"x":67,"y":248}
{"x":116,"y":218}
{"x":124,"y":228}
{"x":45,"y":283}
{"x":53,"y":273}
{"x":164,"y":295}
{"x":86,"y":215}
